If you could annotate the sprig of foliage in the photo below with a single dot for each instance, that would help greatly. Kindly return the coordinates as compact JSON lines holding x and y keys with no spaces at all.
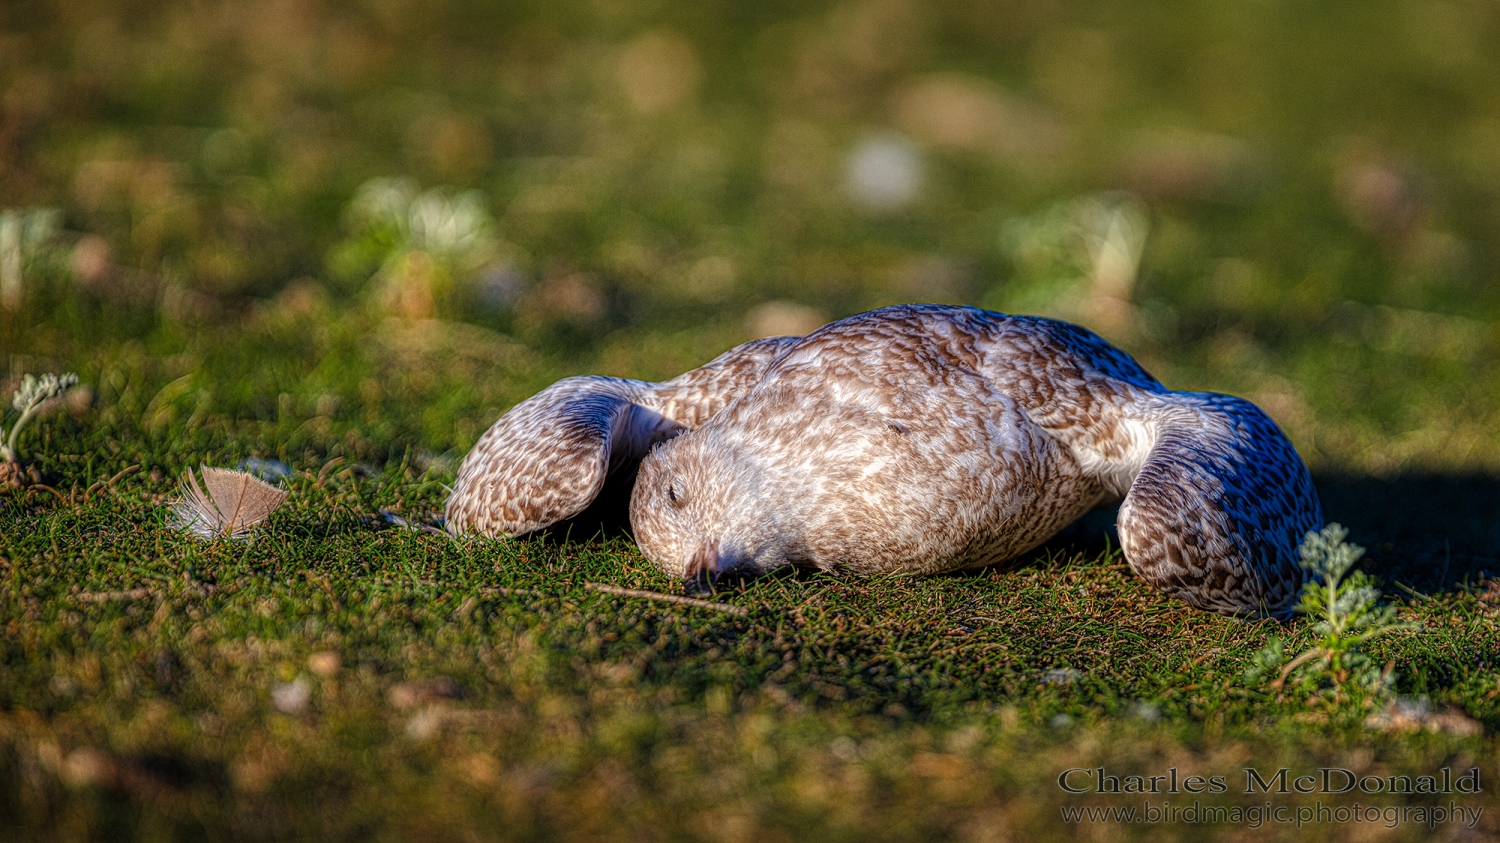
{"x":28,"y":400}
{"x":1349,"y":614}
{"x":1090,"y":244}
{"x":25,"y":237}
{"x":417,"y":246}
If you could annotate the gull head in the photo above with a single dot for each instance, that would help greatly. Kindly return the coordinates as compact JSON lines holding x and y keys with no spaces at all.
{"x":704,"y":506}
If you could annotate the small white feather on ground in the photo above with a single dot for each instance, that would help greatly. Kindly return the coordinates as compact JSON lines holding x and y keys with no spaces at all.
{"x":228,"y":504}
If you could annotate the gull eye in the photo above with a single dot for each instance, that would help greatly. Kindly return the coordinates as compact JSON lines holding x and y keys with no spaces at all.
{"x":674,"y":493}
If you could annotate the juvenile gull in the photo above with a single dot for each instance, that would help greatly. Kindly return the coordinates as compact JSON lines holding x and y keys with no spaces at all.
{"x":911,"y":439}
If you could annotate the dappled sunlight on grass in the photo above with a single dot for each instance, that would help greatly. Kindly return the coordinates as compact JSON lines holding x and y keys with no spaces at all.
{"x":348,"y":237}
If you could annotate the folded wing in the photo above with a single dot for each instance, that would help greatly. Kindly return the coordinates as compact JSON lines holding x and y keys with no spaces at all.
{"x":549,"y":457}
{"x":1219,"y":508}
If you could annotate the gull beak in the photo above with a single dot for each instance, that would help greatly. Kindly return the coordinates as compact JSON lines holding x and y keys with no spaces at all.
{"x":702,"y":570}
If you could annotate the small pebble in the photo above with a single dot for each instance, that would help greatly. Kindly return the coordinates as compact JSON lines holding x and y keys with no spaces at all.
{"x":293,"y":697}
{"x":325,"y":663}
{"x":1061,"y":676}
{"x":271,"y":471}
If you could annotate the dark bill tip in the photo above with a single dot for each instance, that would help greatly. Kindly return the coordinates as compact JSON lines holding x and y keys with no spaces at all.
{"x":698,"y":585}
{"x":702,"y":570}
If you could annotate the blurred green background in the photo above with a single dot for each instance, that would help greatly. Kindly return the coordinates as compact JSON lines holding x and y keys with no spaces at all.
{"x":1299,"y":203}
{"x":348,"y":235}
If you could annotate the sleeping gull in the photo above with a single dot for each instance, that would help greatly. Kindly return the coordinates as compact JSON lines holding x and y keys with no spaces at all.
{"x":911,"y":439}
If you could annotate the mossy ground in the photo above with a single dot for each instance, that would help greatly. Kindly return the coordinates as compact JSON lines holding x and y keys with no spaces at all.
{"x":342,"y":677}
{"x":1318,"y":193}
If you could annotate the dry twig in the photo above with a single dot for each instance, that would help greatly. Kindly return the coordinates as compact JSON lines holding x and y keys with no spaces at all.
{"x":739,"y":611}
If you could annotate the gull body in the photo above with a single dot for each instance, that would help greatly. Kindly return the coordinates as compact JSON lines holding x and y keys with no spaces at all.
{"x":912,"y":439}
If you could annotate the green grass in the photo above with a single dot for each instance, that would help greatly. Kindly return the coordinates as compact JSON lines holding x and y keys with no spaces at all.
{"x":1320,"y":192}
{"x":481,"y":688}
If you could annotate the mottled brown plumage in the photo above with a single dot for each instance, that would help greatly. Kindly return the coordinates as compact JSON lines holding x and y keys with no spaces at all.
{"x":911,"y":439}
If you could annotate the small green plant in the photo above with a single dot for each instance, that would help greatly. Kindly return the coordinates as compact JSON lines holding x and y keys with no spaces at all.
{"x":1076,"y":256}
{"x":28,"y":400}
{"x":1349,"y":614}
{"x":421,"y":245}
{"x":26,"y":237}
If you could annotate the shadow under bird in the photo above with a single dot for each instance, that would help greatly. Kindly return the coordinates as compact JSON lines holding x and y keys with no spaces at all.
{"x":911,"y":439}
